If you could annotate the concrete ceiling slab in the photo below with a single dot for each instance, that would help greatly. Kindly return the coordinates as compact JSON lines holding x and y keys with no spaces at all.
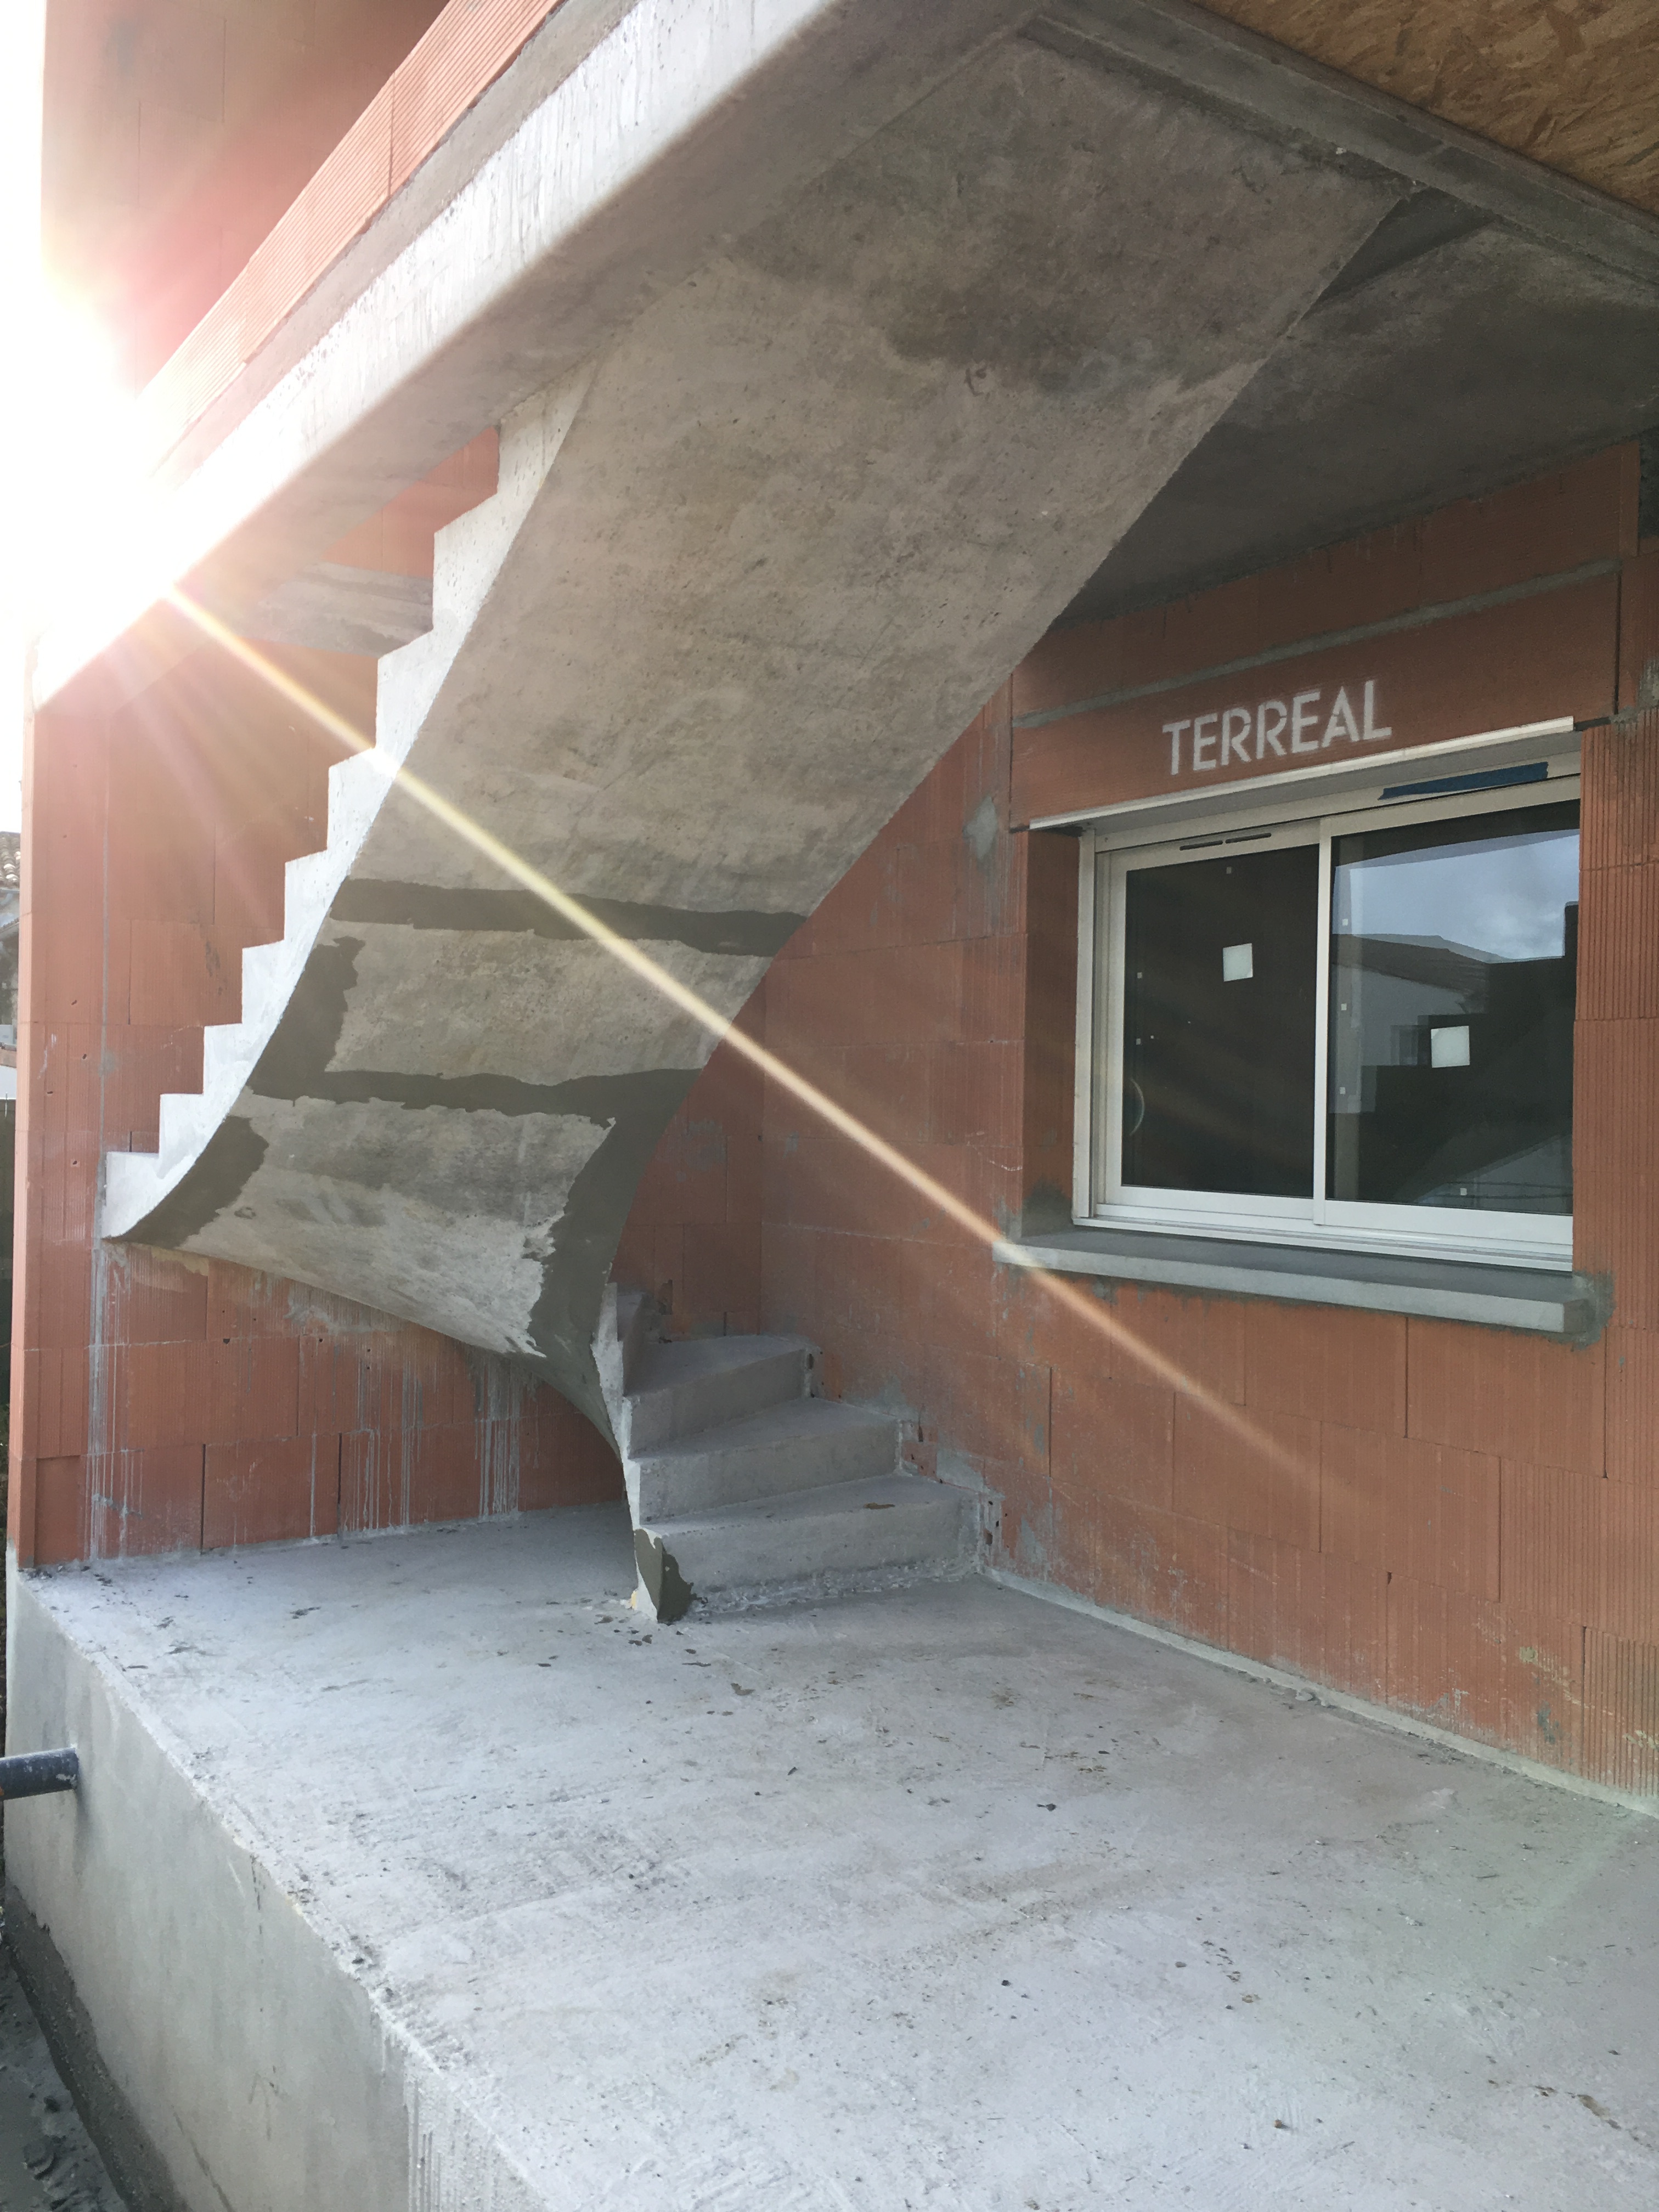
{"x":1450,"y":358}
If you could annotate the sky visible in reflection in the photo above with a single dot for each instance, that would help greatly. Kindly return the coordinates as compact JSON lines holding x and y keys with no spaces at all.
{"x":1505,"y":898}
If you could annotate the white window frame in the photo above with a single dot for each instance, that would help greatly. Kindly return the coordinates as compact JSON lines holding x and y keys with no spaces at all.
{"x":1312,"y":807}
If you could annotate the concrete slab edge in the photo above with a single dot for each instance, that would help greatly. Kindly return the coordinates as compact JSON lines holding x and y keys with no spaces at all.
{"x":133,"y":2162}
{"x":1362,"y":1708}
{"x":358,"y":2078}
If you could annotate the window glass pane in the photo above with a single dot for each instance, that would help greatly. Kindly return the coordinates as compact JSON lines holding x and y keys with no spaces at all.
{"x":1218,"y":1023}
{"x":1454,"y":964}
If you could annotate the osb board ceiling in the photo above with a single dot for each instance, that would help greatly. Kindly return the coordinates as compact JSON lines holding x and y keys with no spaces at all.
{"x":1573,"y":84}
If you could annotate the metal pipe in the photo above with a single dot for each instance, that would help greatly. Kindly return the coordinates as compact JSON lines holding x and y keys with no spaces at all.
{"x":39,"y":1773}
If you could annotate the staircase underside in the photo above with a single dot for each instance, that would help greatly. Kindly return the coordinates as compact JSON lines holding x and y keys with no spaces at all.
{"x":784,"y":519}
{"x":795,"y":524}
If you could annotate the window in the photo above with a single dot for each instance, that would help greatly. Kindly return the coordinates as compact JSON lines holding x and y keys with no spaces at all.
{"x":1354,"y":1029}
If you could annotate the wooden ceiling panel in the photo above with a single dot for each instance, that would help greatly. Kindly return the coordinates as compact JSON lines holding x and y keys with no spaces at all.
{"x":1571,"y":84}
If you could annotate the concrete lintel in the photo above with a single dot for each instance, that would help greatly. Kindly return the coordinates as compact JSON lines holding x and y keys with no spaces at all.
{"x":1239,"y":68}
{"x":1538,"y":1300}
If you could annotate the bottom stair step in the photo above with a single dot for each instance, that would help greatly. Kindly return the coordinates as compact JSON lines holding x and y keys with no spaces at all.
{"x":843,"y":1536}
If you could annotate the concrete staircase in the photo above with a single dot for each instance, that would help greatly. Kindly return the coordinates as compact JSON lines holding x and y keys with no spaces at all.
{"x":787,"y":488}
{"x":745,"y":1485}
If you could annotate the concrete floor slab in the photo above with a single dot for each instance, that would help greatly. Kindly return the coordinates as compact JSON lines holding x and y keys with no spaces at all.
{"x":939,"y":1897}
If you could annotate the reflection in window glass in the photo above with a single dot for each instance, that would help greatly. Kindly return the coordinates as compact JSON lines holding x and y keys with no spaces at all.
{"x":1218,"y":1023}
{"x":1454,"y":964}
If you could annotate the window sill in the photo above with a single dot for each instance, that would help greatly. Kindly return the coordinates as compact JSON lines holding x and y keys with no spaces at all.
{"x":1541,"y":1300}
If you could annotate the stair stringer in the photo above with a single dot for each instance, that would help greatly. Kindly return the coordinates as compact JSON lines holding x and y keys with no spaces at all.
{"x":468,"y":555}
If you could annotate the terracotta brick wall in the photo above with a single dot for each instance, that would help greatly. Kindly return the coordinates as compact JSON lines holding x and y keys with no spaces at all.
{"x":176,"y":131}
{"x":1458,"y":1521}
{"x":161,"y":1402}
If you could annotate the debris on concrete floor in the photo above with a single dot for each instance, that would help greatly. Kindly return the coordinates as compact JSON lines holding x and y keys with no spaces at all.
{"x":47,"y":2161}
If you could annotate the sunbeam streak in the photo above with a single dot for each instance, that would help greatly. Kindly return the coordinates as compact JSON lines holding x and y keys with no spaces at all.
{"x":1234,"y":1419}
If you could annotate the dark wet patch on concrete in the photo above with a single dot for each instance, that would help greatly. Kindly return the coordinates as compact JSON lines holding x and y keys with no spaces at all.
{"x":222,"y":1171}
{"x":749,"y":933}
{"x":308,"y":1033}
{"x":597,"y":1098}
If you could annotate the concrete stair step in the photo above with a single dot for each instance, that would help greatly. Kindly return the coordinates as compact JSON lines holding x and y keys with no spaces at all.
{"x":808,"y":1443}
{"x":704,"y":1382}
{"x":844,"y":1536}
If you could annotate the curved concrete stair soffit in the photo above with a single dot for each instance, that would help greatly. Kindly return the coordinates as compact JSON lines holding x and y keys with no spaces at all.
{"x":812,"y":506}
{"x":153,"y":1196}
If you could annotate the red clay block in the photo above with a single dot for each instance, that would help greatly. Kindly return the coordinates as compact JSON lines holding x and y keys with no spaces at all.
{"x":178,"y":976}
{"x":1479,"y":1669}
{"x":448,"y":1474}
{"x":273,"y":1492}
{"x":1353,"y":1488}
{"x":1068,"y":1537}
{"x":1542,"y":528}
{"x":255,"y":1390}
{"x":61,"y":1514}
{"x":1327,"y":1363}
{"x":1241,"y":1468}
{"x":1632,"y":1372}
{"x":1621,"y":1713}
{"x":1136,"y":1560}
{"x":1619,"y":944}
{"x":988,"y":875}
{"x":146,"y":1501}
{"x":57,"y":1391}
{"x":920,"y":891}
{"x":63,"y":1282}
{"x":570,"y":1463}
{"x":1619,"y":807}
{"x":1144,"y":1336}
{"x":1638,"y":627}
{"x":159,"y":1393}
{"x":951,"y":1294}
{"x":1627,"y":1580}
{"x":993,"y":984}
{"x":722,"y":1273}
{"x":1311,"y":1612}
{"x":731,"y":1091}
{"x":1551,"y":1540}
{"x":1113,"y":1439}
{"x":1518,"y":1397}
{"x":633,"y":1267}
{"x":1196,"y":1599}
{"x":888,"y":1090}
{"x":1440,"y":1516}
{"x":1615,"y":1230}
{"x":986,"y":1407}
{"x":376,"y":1468}
{"x":153,"y":1298}
{"x":975,"y":1094}
{"x":1578,"y":1547}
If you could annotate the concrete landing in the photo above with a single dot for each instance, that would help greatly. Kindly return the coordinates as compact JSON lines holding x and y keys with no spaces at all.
{"x":416,"y":1873}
